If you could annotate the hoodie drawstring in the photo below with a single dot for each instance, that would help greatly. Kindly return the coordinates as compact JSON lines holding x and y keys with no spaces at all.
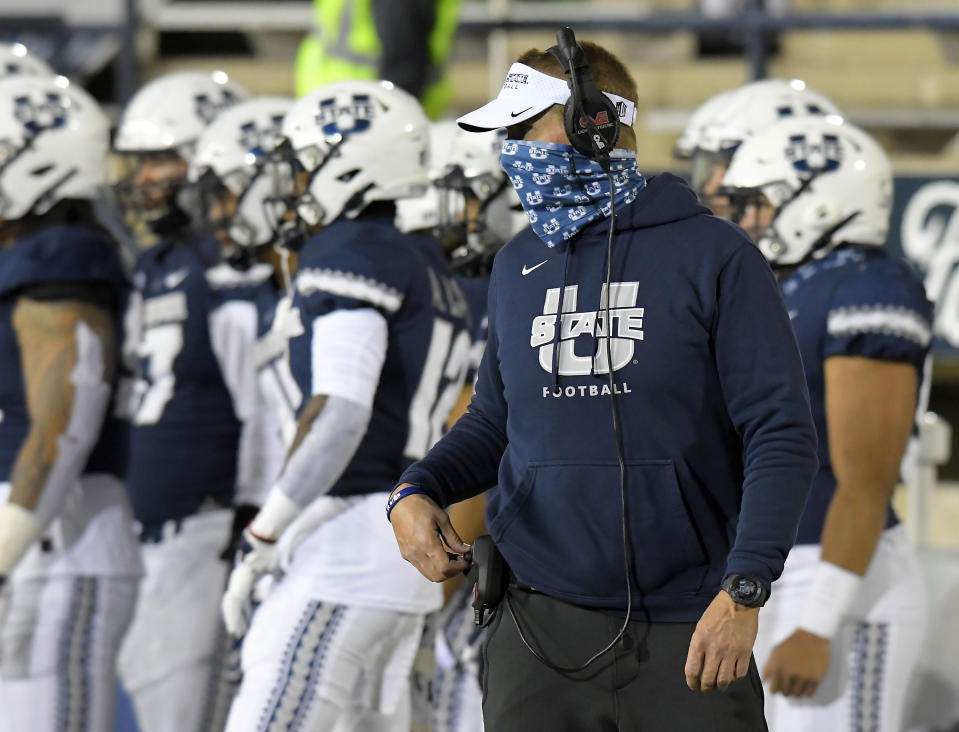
{"x":557,"y":341}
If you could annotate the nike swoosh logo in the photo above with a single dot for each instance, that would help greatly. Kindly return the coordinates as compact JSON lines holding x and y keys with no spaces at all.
{"x":527,"y":270}
{"x":517,"y":114}
{"x":175,"y":278}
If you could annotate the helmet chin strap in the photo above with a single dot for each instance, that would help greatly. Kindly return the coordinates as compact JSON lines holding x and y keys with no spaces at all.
{"x":333,"y":151}
{"x":820,"y":245}
{"x":45,"y":200}
{"x":803,"y":186}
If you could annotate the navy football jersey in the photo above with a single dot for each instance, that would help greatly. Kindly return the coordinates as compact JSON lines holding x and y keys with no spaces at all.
{"x":185,"y":427}
{"x":55,"y":255}
{"x":367,"y":263}
{"x":476,"y":290}
{"x":857,"y":301}
{"x":277,"y":324}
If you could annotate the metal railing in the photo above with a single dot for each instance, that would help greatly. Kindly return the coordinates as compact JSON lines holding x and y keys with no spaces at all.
{"x":497,"y":17}
{"x":752,"y":24}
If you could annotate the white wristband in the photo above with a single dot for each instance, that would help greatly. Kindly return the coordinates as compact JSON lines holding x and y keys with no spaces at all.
{"x":19,"y":528}
{"x":278,"y":512}
{"x":830,"y":597}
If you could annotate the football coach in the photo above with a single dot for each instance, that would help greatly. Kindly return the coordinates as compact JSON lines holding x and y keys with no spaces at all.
{"x":641,"y":410}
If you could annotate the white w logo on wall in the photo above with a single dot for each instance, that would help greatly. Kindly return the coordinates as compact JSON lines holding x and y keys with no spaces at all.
{"x":627,"y":328}
{"x":930,"y":237}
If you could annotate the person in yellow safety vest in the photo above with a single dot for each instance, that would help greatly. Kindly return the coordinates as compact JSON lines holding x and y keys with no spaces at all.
{"x":404,"y":41}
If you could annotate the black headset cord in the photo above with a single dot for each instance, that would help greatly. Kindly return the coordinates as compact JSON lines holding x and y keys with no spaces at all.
{"x":618,"y":437}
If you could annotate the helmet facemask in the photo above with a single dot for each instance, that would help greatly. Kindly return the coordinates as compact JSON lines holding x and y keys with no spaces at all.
{"x":490,"y":224}
{"x":706,"y":176}
{"x":288,"y":184}
{"x":153,"y":192}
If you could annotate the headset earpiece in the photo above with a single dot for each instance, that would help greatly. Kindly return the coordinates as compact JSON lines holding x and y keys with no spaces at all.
{"x":590,"y":117}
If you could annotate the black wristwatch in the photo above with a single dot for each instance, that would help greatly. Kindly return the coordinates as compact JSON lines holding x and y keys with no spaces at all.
{"x":745,"y":589}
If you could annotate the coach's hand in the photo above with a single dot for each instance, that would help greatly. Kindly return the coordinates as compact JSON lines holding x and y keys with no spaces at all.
{"x":722,"y":645}
{"x":255,"y":557}
{"x":427,"y":539}
{"x":798,"y":664}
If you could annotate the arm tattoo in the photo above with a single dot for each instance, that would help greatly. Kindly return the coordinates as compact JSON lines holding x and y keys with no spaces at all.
{"x":46,"y":332}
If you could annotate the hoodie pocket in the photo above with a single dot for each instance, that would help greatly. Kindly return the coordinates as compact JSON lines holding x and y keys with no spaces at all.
{"x":567,"y":518}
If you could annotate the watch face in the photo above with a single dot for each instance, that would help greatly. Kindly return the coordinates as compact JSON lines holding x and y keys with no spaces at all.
{"x":746,"y":588}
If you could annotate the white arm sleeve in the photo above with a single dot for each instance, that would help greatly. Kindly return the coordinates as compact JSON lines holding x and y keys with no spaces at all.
{"x":91,"y":397}
{"x":260,"y":452}
{"x":348,"y":351}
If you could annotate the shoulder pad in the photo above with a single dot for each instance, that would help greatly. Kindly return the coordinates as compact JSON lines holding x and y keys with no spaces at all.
{"x":61,"y":254}
{"x":363,"y":261}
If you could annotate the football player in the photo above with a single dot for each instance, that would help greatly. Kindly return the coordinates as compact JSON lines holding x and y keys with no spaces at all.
{"x":724,"y":121}
{"x":472,"y":210}
{"x":69,"y":561}
{"x":196,"y":451}
{"x":378,"y":350}
{"x":843,"y":628}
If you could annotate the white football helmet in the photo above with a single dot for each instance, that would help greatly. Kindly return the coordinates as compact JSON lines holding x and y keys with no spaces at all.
{"x":53,"y":145}
{"x":15,"y":60}
{"x":465,"y":166}
{"x":829,"y":182}
{"x":156,"y":137}
{"x":359,"y":142}
{"x":170,"y":112}
{"x":753,"y":107}
{"x":737,"y":115}
{"x":691,"y":138}
{"x":235,"y":151}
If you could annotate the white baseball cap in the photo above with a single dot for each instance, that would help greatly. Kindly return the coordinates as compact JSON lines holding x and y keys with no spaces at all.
{"x":527,"y":92}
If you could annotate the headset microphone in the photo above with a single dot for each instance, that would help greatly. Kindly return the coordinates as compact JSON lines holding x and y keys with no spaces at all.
{"x":590,"y":117}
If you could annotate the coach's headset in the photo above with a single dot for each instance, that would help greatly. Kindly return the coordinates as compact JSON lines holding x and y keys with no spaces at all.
{"x":590,"y":117}
{"x":592,"y":124}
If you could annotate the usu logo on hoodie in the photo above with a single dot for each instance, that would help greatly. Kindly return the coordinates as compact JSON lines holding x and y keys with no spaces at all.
{"x":627,"y":320}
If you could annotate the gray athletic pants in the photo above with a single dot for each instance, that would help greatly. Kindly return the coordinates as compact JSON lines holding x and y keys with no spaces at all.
{"x":638,"y":687}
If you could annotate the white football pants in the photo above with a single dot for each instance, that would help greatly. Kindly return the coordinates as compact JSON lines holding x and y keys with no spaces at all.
{"x":59,"y":639}
{"x":873,"y":654}
{"x":319,"y":666}
{"x":170,"y":662}
{"x":457,"y":692}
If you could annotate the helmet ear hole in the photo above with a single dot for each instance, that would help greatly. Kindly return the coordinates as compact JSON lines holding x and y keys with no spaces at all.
{"x":821,"y":215}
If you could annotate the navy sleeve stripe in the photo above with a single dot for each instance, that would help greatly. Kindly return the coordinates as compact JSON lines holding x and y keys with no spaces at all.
{"x":884,"y":319}
{"x":347,"y":284}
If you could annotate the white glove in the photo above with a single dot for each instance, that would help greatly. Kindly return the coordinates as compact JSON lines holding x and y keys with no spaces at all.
{"x":257,"y":556}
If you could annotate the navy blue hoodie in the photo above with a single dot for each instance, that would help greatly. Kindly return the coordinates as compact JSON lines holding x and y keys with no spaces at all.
{"x":719,"y":443}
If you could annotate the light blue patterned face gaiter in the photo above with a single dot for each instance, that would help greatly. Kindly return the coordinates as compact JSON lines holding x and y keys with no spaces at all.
{"x":562,"y":190}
